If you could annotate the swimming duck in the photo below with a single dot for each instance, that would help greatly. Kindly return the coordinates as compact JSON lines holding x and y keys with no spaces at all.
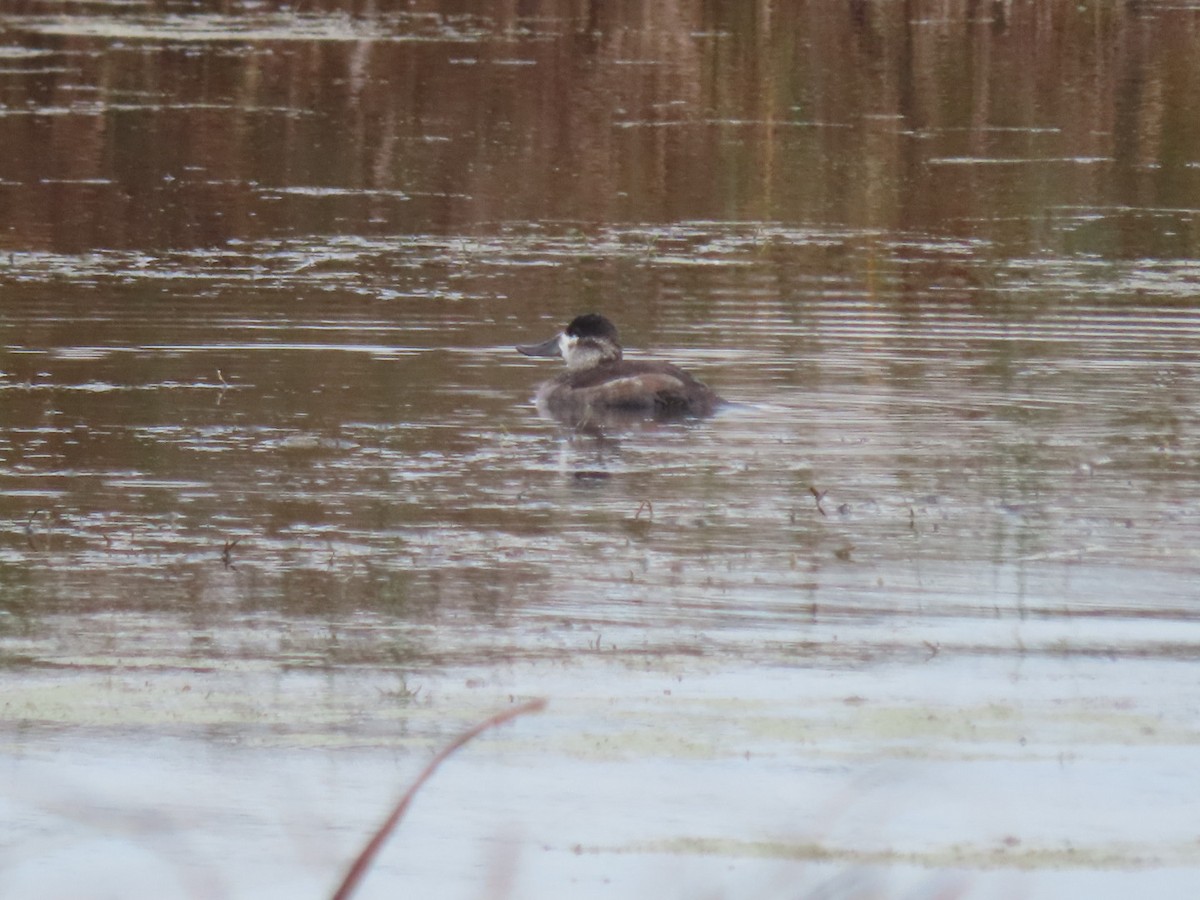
{"x":599,"y":383}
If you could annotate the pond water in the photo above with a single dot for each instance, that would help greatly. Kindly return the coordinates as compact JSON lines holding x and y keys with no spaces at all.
{"x":916,"y":614}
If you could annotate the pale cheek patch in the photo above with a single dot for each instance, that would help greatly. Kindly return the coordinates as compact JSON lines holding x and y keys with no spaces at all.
{"x":574,"y":355}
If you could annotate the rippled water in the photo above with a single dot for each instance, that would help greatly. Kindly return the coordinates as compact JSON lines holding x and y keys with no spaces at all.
{"x":915,"y":615}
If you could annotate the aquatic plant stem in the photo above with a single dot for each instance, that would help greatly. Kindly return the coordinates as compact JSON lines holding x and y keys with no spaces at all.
{"x":363,"y":862}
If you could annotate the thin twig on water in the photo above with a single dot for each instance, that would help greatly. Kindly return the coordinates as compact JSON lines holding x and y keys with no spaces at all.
{"x":359,"y":869}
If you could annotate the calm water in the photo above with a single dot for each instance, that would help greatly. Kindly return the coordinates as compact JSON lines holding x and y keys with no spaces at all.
{"x":916,"y":615}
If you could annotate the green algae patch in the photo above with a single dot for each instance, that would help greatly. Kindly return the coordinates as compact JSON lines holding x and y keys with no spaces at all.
{"x":639,"y":743}
{"x":1007,"y":854}
{"x":249,"y":707}
{"x":991,"y":730}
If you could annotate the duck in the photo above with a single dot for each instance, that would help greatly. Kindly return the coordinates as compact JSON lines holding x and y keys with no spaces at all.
{"x":600,"y":385}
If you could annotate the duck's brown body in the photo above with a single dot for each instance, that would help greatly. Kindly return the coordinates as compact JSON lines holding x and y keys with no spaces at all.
{"x":656,"y":389}
{"x":599,"y":383}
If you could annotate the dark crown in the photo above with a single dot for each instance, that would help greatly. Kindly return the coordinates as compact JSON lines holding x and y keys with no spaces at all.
{"x":592,"y":325}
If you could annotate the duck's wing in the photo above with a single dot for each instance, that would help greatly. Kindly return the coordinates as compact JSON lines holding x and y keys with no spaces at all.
{"x":654,"y":387}
{"x":642,"y":390}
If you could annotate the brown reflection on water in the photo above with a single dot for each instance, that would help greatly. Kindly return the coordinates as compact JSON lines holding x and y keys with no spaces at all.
{"x":137,"y":129}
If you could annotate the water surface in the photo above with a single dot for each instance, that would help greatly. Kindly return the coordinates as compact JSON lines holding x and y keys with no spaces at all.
{"x":915,"y":613}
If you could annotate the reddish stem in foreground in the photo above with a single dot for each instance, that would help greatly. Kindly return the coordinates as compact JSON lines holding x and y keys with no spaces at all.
{"x":363,"y":862}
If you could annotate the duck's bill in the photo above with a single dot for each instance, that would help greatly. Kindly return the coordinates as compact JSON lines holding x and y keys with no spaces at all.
{"x":545,"y":348}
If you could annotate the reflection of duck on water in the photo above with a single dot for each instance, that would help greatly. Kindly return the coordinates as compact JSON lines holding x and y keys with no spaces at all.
{"x":599,"y":385}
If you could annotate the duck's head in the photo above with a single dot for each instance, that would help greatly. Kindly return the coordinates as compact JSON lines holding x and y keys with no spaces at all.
{"x":589,"y":341}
